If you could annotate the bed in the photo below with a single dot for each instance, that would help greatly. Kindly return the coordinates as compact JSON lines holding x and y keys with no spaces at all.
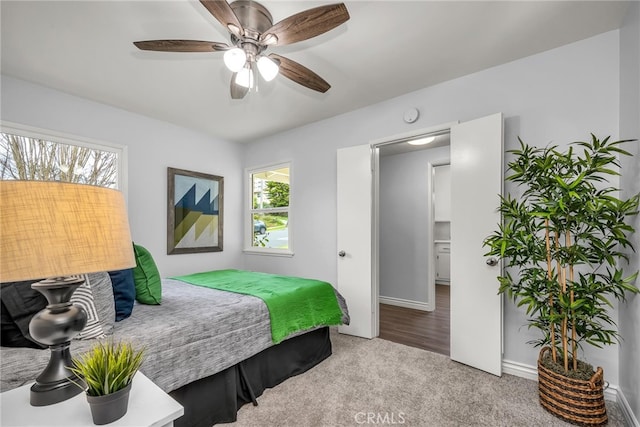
{"x":212,"y":350}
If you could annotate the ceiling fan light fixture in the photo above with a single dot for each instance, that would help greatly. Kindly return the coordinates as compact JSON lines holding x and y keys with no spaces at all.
{"x":422,"y":141}
{"x":268,"y":68}
{"x":244,"y":77}
{"x":235,"y":59}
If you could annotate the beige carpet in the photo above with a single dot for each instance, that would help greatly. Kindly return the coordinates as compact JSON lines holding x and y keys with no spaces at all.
{"x":377,"y":382}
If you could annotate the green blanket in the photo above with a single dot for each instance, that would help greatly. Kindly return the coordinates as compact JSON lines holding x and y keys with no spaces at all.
{"x":294,"y":304}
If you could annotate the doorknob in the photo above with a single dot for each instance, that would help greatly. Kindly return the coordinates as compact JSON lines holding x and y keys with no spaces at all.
{"x":492,"y":261}
{"x":341,"y":254}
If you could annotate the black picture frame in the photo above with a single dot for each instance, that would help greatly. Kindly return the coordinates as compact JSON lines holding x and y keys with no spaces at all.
{"x":195,"y":206}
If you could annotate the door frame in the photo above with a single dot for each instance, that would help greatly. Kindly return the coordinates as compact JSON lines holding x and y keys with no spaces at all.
{"x":432,"y":240}
{"x":467,"y":140}
{"x":375,"y":153}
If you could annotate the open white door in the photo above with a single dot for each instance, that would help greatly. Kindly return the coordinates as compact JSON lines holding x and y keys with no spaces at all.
{"x":354,"y":240}
{"x":476,"y":181}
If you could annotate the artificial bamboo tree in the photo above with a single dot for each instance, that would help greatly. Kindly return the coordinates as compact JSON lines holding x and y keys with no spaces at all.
{"x":563,"y":239}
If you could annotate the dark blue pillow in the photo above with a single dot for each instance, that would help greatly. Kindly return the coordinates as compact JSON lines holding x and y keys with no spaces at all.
{"x":124,"y":292}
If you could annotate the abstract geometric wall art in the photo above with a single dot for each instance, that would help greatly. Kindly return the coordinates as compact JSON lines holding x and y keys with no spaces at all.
{"x":194,"y":212}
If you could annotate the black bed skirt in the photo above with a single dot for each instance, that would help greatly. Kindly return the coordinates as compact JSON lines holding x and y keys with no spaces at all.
{"x":216,"y":399}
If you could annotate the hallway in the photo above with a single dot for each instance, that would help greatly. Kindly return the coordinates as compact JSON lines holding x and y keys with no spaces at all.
{"x":428,"y":330}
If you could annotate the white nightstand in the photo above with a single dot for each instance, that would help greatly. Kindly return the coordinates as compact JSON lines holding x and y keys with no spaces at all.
{"x":149,"y":406}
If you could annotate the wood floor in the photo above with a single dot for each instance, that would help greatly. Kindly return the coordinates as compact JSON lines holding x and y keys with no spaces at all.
{"x":428,"y":330}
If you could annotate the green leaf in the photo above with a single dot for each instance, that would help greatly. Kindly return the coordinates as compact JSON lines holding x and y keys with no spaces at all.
{"x":578,"y":303}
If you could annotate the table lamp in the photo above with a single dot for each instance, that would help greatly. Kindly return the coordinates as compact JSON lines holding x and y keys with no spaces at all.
{"x":60,"y":230}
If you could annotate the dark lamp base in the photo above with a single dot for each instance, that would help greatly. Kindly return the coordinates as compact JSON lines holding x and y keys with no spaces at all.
{"x":50,"y":393}
{"x":55,"y":326}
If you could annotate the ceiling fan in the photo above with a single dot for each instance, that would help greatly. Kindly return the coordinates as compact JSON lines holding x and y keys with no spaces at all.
{"x":252,"y":31}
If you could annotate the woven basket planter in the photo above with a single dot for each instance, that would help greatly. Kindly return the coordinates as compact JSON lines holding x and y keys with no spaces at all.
{"x":575,"y":401}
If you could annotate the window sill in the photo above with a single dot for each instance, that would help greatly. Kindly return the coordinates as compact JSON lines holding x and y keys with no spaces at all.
{"x":268,"y":252}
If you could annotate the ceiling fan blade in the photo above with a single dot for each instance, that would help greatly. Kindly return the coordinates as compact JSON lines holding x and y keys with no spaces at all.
{"x":307,"y":24}
{"x":237,"y":91}
{"x":300,"y":74}
{"x":221,"y":10}
{"x":181,"y":46}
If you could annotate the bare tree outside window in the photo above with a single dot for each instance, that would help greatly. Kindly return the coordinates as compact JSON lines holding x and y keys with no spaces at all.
{"x":35,"y":159}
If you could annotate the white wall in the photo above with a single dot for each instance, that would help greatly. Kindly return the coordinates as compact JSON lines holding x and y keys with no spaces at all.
{"x":556,"y":96}
{"x":404,"y":223}
{"x":630,"y":184}
{"x":152,"y":147}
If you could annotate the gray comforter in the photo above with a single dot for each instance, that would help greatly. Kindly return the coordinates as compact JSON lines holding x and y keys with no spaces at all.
{"x":196,"y":332}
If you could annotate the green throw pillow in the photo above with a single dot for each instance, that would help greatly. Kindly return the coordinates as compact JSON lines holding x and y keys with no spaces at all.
{"x":146,"y":277}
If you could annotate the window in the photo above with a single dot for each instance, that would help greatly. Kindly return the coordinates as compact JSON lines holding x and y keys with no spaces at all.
{"x":269,"y":216}
{"x":27,"y":154}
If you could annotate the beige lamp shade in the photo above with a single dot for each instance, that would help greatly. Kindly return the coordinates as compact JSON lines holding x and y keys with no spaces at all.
{"x":55,"y":229}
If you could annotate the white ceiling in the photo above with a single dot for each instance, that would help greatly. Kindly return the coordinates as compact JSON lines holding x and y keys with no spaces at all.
{"x":386,"y":49}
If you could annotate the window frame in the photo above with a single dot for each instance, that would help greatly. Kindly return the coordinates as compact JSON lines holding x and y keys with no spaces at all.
{"x":69,"y":139}
{"x":249,"y":212}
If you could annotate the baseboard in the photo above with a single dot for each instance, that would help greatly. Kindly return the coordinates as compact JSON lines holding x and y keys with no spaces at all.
{"x":628,"y":414}
{"x":520,"y":370}
{"x":399,"y":302}
{"x":611,"y":393}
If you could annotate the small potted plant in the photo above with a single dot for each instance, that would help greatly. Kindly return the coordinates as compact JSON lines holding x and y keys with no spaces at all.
{"x":108,"y":370}
{"x":563,"y":239}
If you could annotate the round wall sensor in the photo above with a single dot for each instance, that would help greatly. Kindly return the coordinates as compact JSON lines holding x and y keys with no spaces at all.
{"x":411,"y":115}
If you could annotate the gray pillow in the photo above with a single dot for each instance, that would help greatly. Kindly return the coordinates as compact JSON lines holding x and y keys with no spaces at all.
{"x":103,"y":299}
{"x":83,"y":296}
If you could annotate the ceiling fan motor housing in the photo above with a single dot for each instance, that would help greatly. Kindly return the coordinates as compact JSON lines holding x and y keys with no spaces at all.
{"x":255,"y":20}
{"x":254,"y":17}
